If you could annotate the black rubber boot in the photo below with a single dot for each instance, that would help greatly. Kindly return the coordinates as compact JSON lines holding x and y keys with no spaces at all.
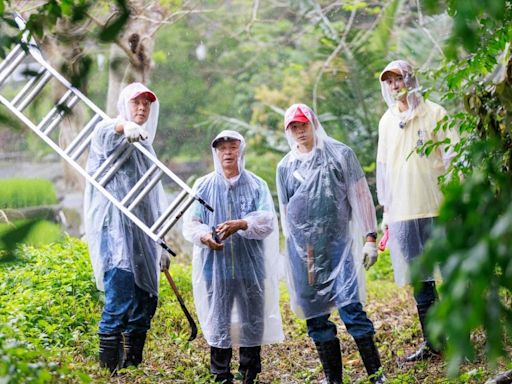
{"x":133,"y":347}
{"x":250,"y":363}
{"x":220,"y":362}
{"x":371,"y":359}
{"x":330,"y":357}
{"x":426,"y":349}
{"x":111,"y":351}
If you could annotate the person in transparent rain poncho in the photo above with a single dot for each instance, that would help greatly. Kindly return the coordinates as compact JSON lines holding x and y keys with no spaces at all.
{"x":407,"y":181}
{"x":235,"y":261}
{"x":126,"y":262}
{"x":327,"y":211}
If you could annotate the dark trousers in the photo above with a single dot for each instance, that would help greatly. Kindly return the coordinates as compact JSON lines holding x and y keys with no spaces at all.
{"x":128,"y":308}
{"x":358,"y":325}
{"x":250,"y":363}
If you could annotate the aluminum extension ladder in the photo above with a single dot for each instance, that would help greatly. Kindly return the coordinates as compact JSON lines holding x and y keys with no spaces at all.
{"x":27,"y":54}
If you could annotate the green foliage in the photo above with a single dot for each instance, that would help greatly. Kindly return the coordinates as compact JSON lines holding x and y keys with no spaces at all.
{"x":20,"y":193}
{"x":470,"y":17}
{"x":112,"y":29}
{"x":33,"y":232}
{"x":48,"y":310}
{"x":473,"y":239}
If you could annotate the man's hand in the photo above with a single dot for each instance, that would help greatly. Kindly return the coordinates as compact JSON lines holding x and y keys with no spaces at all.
{"x":229,"y":227}
{"x":207,"y":240}
{"x":165,"y":262}
{"x":134,"y":132}
{"x":369,"y":254}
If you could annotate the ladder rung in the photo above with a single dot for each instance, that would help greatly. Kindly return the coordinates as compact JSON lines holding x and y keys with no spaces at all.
{"x":82,"y":147}
{"x":109,"y":160}
{"x":8,"y":66}
{"x":85,"y":130}
{"x":10,"y":55}
{"x":54,"y":111}
{"x":139,"y":185}
{"x":146,"y":189}
{"x":115,"y":167}
{"x":175,"y":219}
{"x":31,"y":89}
{"x":179,"y":199}
{"x":62,"y":110}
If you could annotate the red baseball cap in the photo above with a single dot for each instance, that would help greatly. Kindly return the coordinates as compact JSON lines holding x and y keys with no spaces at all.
{"x":150,"y":95}
{"x":299,"y":116}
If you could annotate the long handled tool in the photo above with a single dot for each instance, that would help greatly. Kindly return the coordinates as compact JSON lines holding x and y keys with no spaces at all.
{"x":191,"y":321}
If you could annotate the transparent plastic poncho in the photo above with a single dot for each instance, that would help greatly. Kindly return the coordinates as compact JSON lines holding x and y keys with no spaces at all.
{"x":407,"y":179}
{"x":326,"y":210}
{"x":236,"y":289}
{"x":114,"y":241}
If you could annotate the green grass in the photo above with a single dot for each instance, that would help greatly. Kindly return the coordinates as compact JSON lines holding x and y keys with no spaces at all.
{"x":50,"y":308}
{"x":41,"y":232}
{"x":20,"y":193}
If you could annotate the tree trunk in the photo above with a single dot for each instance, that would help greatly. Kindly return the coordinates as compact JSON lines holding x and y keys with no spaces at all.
{"x":130,"y":58}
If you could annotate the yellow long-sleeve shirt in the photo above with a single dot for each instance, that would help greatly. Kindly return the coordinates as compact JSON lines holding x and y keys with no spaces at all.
{"x":407,"y":182}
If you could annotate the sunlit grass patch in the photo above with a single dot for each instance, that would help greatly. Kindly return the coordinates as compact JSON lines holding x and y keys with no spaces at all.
{"x":20,"y":193}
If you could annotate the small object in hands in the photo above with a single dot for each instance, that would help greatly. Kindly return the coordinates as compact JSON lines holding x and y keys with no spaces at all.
{"x":215,"y":236}
{"x":384,"y":240}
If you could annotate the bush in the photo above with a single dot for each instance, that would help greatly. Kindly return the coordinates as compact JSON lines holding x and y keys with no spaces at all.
{"x":49,"y":309}
{"x":39,"y":232}
{"x":20,"y":193}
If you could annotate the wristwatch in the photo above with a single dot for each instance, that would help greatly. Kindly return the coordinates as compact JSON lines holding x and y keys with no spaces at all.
{"x":372,"y":234}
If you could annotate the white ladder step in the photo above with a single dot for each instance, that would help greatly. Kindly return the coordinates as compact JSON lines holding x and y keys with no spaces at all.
{"x":79,"y":141}
{"x":31,"y":89}
{"x":170,"y":209}
{"x":161,"y":233}
{"x":10,"y":63}
{"x":138,"y":186}
{"x":149,"y":186}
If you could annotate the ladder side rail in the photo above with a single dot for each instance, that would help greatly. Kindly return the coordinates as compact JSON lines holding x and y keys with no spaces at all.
{"x":82,"y":171}
{"x":131,"y":193}
{"x":31,"y":89}
{"x":170,"y":209}
{"x":175,"y":219}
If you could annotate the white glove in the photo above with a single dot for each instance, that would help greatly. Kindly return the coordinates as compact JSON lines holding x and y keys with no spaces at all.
{"x":369,"y":254}
{"x":165,"y":262}
{"x":134,"y":132}
{"x":384,"y":222}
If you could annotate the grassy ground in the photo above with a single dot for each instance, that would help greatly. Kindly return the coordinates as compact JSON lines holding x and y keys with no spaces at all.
{"x":49,"y":309}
